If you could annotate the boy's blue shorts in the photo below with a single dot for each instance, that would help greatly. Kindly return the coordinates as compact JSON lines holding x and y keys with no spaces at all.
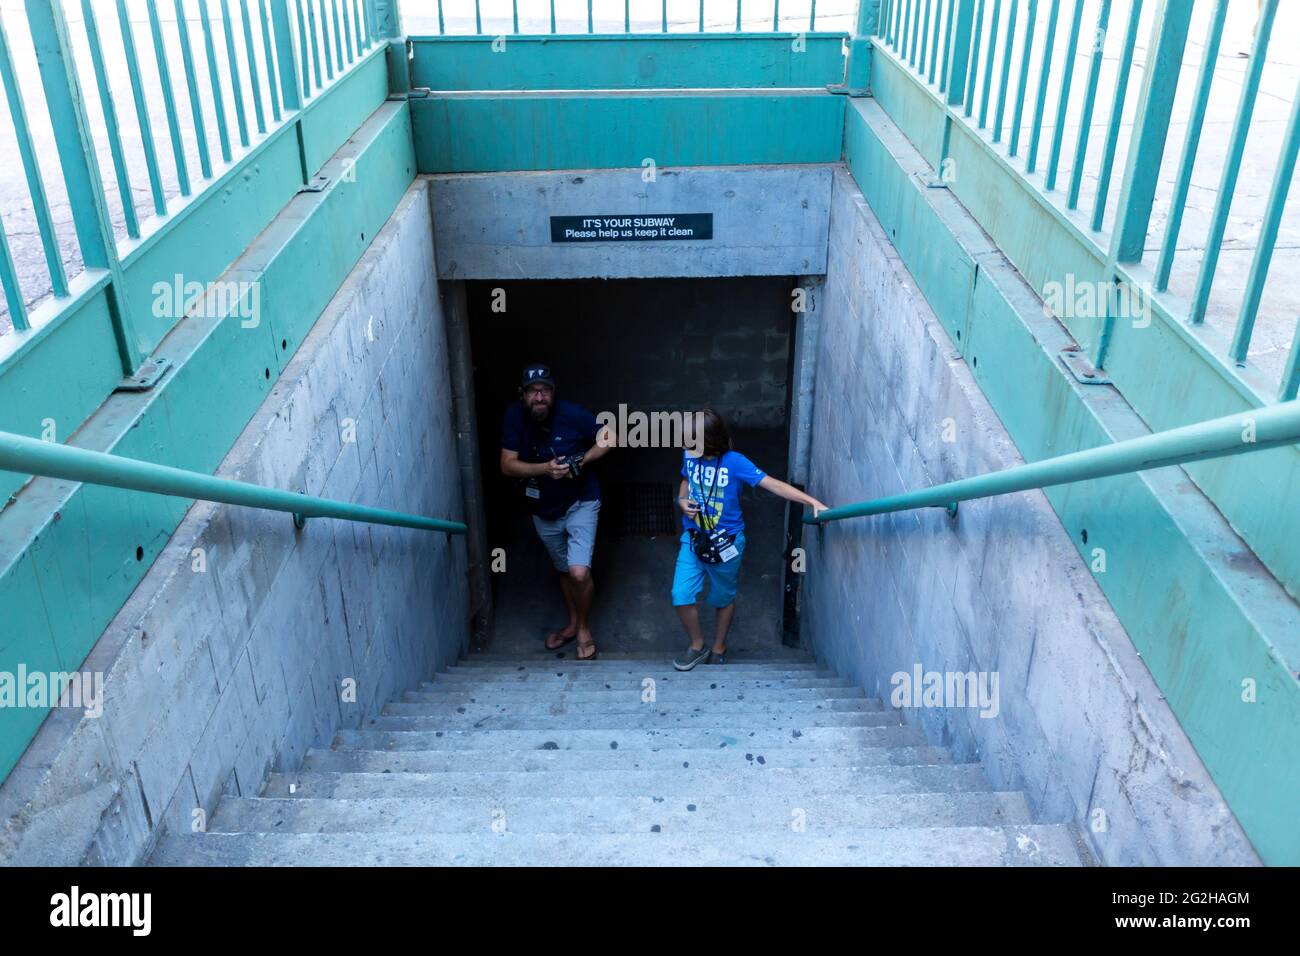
{"x":691,"y":573}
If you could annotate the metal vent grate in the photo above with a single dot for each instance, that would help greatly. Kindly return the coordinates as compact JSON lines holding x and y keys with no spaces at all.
{"x":643,"y":508}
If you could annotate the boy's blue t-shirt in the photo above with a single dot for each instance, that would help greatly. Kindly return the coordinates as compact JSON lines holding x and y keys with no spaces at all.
{"x":724,"y":476}
{"x":570,"y":429}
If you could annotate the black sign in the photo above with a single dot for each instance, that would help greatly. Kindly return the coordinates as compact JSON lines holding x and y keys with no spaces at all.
{"x":638,"y":228}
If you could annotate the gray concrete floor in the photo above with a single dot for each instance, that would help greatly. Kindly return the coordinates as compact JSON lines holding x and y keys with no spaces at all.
{"x":633,"y":575}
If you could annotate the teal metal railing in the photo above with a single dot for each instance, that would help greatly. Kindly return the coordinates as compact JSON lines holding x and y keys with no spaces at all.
{"x":461,"y":25}
{"x":247,"y":73}
{"x":30,"y":456}
{"x":1272,"y":427}
{"x":1033,"y":76}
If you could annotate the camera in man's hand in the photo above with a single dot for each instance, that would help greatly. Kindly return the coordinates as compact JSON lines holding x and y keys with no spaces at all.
{"x":574,"y":462}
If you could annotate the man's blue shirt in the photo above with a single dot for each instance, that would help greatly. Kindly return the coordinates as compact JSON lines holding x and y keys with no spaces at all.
{"x":570,"y":430}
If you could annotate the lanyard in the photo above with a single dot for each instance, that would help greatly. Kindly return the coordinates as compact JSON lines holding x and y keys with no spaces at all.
{"x":708,"y":502}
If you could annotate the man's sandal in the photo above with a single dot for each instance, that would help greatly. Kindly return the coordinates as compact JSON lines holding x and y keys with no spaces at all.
{"x":577,"y":653}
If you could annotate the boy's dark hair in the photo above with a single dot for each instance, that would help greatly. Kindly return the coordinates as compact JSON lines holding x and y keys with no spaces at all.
{"x":717,"y":438}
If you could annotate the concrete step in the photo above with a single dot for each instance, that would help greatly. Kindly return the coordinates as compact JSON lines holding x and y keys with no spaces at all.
{"x":775,"y":809}
{"x":595,"y":761}
{"x":743,"y":784}
{"x":647,"y":720}
{"x":823,"y":738}
{"x":542,"y":656}
{"x":683,"y":683}
{"x":677,"y":693}
{"x":902,"y":846}
{"x":629,"y":668}
{"x":623,"y":704}
{"x":663,"y":675}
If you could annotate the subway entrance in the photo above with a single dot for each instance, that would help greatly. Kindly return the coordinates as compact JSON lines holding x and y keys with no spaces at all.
{"x":635,"y":351}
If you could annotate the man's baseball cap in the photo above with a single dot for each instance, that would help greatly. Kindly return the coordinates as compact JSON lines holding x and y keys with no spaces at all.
{"x":535,"y":373}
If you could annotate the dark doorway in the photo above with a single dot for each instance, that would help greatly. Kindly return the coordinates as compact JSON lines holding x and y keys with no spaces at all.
{"x":648,"y":345}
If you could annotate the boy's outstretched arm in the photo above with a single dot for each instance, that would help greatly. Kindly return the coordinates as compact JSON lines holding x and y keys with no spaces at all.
{"x":791,"y":493}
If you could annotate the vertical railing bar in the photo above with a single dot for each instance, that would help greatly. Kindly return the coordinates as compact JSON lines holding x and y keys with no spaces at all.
{"x":590,"y":18}
{"x":960,"y":43}
{"x":333,"y":10}
{"x":1183,"y":179}
{"x":776,"y":15}
{"x":1116,"y":115}
{"x":925,"y":36}
{"x":254,"y":79}
{"x":627,"y":16}
{"x":987,"y":85}
{"x":442,"y":27}
{"x":478,"y":17}
{"x":1067,"y":80}
{"x":738,"y":2}
{"x":192,"y":86}
{"x":32,"y":170}
{"x":218,"y":100}
{"x":169,"y":99}
{"x":1267,"y":236}
{"x":1009,"y":49}
{"x":347,"y":30}
{"x":110,"y":121}
{"x":1232,"y":163}
{"x":514,"y":15}
{"x":315,"y":45}
{"x":552,"y":15}
{"x":973,"y":72}
{"x":916,"y":29}
{"x":325,"y":38}
{"x":934,"y":39}
{"x":287,"y":67}
{"x":664,"y":27}
{"x":947,"y":45}
{"x":141,"y":110}
{"x":269,"y":57}
{"x":1089,"y":104}
{"x":1026,"y":53}
{"x":1040,"y":95}
{"x":236,"y":81}
{"x":812,"y":16}
{"x":701,"y":29}
{"x":895,"y":41}
{"x":905,"y":27}
{"x":358,"y":23}
{"x":13,"y":291}
{"x":307,"y":62}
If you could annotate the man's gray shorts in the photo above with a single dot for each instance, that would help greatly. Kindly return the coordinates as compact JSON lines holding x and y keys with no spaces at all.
{"x":570,"y":538}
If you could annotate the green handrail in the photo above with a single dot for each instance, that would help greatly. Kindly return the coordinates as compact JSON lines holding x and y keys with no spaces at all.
{"x":30,"y":456}
{"x":1257,"y":430}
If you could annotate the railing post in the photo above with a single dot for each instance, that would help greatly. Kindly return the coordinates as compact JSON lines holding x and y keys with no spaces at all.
{"x":1150,"y":130}
{"x":857,"y":71}
{"x":388,"y":19}
{"x":959,"y":44}
{"x":57,"y":66}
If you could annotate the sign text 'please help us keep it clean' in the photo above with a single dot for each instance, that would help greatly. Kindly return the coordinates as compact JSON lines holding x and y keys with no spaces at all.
{"x":640,"y":228}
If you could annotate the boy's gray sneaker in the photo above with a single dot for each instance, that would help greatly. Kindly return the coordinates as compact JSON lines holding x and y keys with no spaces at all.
{"x":716,"y":658}
{"x":690,"y":658}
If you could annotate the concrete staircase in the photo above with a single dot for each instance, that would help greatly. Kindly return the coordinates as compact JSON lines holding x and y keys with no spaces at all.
{"x":506,"y":761}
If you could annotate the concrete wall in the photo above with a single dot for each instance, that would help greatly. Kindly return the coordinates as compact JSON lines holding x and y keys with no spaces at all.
{"x":215,"y":677}
{"x":1081,"y":726}
{"x":766,"y":221}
